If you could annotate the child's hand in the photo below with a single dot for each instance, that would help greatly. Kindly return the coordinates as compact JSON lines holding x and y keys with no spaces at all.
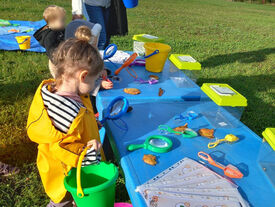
{"x":106,"y":84}
{"x":77,"y":16}
{"x":94,"y":143}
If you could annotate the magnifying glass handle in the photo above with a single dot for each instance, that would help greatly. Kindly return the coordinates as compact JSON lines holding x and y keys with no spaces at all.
{"x":118,"y":70}
{"x":133,"y":147}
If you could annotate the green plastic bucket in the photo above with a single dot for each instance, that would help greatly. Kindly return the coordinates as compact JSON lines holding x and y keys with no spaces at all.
{"x":98,"y":184}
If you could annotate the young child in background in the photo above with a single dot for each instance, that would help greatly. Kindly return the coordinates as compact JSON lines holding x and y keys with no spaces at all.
{"x":84,"y":33}
{"x":61,"y":118}
{"x":52,"y":34}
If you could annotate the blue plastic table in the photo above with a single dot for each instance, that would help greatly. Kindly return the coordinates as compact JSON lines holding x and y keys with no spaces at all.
{"x":193,"y":91}
{"x":151,"y":111}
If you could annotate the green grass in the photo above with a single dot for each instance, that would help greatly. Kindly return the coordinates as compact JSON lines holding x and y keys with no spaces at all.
{"x":235,"y":42}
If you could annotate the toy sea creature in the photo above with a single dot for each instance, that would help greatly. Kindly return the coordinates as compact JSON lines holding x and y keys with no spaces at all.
{"x":229,"y":170}
{"x":154,"y":77}
{"x":161,"y":91}
{"x":228,"y":138}
{"x":209,"y":133}
{"x":150,"y":159}
{"x":132,"y":91}
{"x":186,"y":133}
{"x":181,"y":128}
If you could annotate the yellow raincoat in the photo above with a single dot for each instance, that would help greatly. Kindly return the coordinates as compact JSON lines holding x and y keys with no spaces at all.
{"x":59,"y":152}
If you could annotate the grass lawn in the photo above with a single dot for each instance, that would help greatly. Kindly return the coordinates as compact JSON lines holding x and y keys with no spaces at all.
{"x":235,"y":42}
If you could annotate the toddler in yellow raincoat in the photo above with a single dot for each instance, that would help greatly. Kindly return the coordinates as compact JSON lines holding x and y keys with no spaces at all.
{"x":61,"y":119}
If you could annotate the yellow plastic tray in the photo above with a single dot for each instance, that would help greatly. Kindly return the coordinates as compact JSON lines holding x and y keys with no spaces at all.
{"x":178,"y":60}
{"x":269,"y":136}
{"x":234,"y":100}
{"x":147,"y":38}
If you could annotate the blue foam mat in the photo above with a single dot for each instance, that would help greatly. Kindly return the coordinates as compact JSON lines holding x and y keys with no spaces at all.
{"x":8,"y":41}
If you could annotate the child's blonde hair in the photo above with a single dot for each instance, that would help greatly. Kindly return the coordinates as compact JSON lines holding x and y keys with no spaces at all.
{"x":52,"y":12}
{"x":74,"y":55}
{"x":83,"y":33}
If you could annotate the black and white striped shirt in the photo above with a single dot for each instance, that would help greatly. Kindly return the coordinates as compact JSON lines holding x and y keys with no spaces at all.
{"x":62,"y":111}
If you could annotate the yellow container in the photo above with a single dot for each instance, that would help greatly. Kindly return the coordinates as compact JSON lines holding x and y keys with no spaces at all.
{"x":157,"y":54}
{"x":266,"y":157}
{"x":218,"y":99}
{"x":141,"y":39}
{"x":24,"y":42}
{"x":186,"y":64}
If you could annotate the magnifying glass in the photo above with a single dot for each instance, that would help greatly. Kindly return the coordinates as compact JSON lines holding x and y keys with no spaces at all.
{"x":156,"y":143}
{"x":126,"y":65}
{"x":109,"y":51}
{"x":117,"y":108}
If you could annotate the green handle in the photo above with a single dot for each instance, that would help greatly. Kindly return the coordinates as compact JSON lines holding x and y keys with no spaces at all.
{"x":133,"y":147}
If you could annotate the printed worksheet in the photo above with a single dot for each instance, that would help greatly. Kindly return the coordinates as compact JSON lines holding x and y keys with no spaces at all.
{"x":188,"y":183}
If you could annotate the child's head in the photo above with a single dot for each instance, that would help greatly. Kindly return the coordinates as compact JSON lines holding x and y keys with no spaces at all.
{"x":55,"y":17}
{"x":84,"y":33}
{"x":77,"y":63}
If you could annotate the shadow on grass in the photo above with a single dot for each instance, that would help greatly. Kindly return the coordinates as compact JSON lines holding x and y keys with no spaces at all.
{"x":259,"y":114}
{"x":12,"y":92}
{"x":19,"y":153}
{"x":243,"y":57}
{"x":22,"y":150}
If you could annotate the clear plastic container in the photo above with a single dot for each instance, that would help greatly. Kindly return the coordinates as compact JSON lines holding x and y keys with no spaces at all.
{"x":140,"y":39}
{"x":185,"y":64}
{"x":266,"y":156}
{"x":221,"y":105}
{"x":180,"y":78}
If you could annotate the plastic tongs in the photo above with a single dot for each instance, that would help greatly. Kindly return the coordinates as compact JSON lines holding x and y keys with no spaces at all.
{"x":229,"y":170}
{"x":150,"y":81}
{"x":187,"y":133}
{"x":138,"y":62}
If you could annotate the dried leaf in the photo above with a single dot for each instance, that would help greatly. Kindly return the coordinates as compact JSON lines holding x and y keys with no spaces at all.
{"x":161,"y":91}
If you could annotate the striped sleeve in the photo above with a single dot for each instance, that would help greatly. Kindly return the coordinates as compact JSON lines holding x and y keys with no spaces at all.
{"x":91,"y":157}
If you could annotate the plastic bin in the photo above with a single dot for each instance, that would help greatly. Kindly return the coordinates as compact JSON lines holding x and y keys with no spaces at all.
{"x":140,"y":39}
{"x":186,"y":64}
{"x":219,"y":99}
{"x":267,"y":154}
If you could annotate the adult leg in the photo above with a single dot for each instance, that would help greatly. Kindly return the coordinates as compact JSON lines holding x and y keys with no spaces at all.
{"x":106,"y":14}
{"x":95,"y":14}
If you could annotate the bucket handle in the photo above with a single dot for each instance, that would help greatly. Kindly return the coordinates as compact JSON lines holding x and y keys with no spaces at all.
{"x":79,"y":191}
{"x":153,"y":53}
{"x":23,"y":41}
